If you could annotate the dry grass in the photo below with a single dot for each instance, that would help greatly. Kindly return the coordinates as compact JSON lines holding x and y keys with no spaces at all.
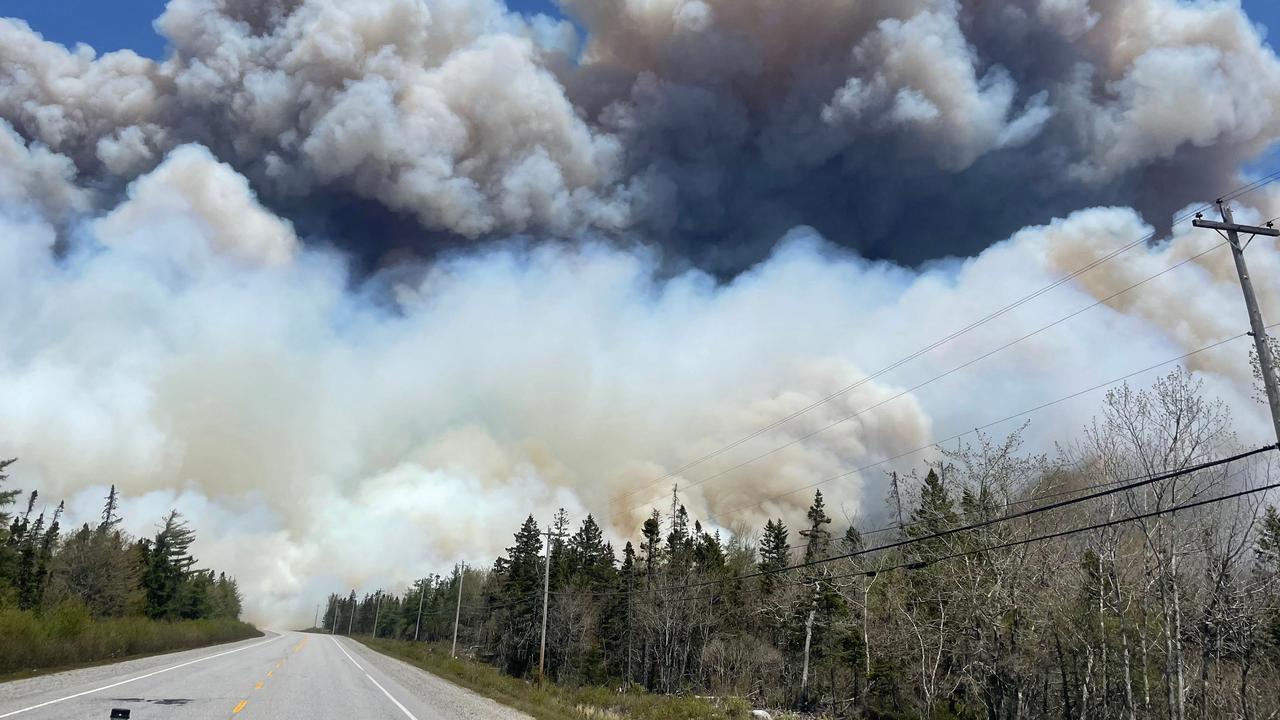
{"x":68,"y":637}
{"x":551,"y":701}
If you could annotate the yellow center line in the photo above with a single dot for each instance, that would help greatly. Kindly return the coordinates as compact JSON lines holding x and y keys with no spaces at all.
{"x":268,"y":673}
{"x":239,"y":707}
{"x":258,"y":686}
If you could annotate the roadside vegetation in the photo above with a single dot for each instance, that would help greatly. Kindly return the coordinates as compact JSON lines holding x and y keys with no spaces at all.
{"x":1157,"y":599}
{"x":94,"y":594}
{"x":552,"y":701}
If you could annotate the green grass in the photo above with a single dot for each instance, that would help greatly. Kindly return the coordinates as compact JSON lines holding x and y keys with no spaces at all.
{"x":67,"y":637}
{"x":551,"y":701}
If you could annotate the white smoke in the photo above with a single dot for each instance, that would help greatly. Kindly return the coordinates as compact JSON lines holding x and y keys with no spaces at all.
{"x":169,"y":330}
{"x":319,"y":441}
{"x":679,"y":116}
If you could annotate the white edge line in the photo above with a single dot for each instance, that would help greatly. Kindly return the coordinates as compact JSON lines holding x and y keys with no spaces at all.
{"x":140,"y":677}
{"x":390,"y":697}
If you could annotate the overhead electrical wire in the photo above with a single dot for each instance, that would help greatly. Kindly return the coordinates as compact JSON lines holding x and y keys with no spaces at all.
{"x":920,"y":564}
{"x":1128,"y":486}
{"x":1238,"y":192}
{"x":715,"y":517}
{"x":908,"y":391}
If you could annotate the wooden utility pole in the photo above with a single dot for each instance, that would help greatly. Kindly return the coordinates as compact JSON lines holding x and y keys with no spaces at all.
{"x":377,"y":610}
{"x":337,"y":615}
{"x":546,"y":592}
{"x":630,"y":584}
{"x":351,"y":622}
{"x":422,"y":593}
{"x":316,"y":623}
{"x":1231,"y":231}
{"x":457,"y":612}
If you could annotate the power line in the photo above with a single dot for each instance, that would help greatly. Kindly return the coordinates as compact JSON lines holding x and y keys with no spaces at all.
{"x":944,"y":374}
{"x":1074,"y":531}
{"x":921,"y":564}
{"x":716,"y":517}
{"x":1239,"y":192}
{"x":1139,"y":483}
{"x":1031,"y":500}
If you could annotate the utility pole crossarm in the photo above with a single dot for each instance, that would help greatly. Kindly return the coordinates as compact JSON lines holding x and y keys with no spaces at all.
{"x":1236,"y":227}
{"x":1267,"y":364}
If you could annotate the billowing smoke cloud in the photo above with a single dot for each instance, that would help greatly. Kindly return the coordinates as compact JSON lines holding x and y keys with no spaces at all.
{"x":713,"y":126}
{"x":708,"y":201}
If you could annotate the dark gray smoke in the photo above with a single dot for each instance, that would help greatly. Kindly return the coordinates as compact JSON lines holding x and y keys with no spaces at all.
{"x":906,"y":129}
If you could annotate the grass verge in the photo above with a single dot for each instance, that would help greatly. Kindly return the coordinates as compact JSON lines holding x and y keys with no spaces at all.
{"x":551,"y":701}
{"x":67,"y":638}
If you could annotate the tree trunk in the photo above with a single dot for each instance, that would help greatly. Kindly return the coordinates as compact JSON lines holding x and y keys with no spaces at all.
{"x":808,"y":636}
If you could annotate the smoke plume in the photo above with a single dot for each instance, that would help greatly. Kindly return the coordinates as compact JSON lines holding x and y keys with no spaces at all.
{"x":357,"y":285}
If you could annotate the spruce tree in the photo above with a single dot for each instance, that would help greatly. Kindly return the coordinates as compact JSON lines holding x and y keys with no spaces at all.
{"x":520,"y":592}
{"x":774,"y":555}
{"x":8,"y":554}
{"x":817,"y":536}
{"x":165,"y":566}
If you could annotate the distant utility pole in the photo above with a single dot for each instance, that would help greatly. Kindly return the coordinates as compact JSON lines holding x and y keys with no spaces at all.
{"x":546,"y":587}
{"x":1265,"y":360}
{"x":337,"y":616}
{"x":377,"y":611}
{"x":457,"y":612}
{"x":316,"y":622}
{"x":351,"y":622}
{"x":422,"y":593}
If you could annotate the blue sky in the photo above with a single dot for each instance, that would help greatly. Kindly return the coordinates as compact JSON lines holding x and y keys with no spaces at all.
{"x":115,"y":24}
{"x":127,"y":23}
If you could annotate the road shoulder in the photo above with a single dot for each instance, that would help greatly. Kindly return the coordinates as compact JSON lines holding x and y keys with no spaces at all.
{"x":443,"y":695}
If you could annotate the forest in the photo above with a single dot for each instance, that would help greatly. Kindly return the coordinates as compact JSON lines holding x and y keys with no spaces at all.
{"x":92,"y":593}
{"x":1132,"y":573}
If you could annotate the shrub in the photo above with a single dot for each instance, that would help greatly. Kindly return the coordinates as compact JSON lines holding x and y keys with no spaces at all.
{"x":67,"y":635}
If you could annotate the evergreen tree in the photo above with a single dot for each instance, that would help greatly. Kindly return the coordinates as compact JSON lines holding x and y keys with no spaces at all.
{"x":935,"y":511}
{"x":110,"y":518}
{"x":852,"y":540}
{"x":775,"y":555}
{"x":166,"y":563}
{"x":651,"y":531}
{"x":519,"y":576}
{"x":8,"y":553}
{"x":817,"y":536}
{"x":590,"y":557}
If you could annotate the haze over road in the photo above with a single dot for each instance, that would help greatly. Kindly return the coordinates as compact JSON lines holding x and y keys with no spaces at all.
{"x":280,"y":676}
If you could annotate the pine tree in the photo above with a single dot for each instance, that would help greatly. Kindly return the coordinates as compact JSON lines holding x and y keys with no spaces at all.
{"x":774,"y":555}
{"x":8,"y":553}
{"x":935,"y":512}
{"x":590,"y":556}
{"x":6,"y":497}
{"x":818,"y":537}
{"x":852,"y":540}
{"x":165,"y":563}
{"x":519,"y":576}
{"x":110,"y":518}
{"x":651,"y":531}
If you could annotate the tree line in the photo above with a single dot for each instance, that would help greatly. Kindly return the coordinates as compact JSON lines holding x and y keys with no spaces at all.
{"x":101,"y":568}
{"x":1171,"y":615}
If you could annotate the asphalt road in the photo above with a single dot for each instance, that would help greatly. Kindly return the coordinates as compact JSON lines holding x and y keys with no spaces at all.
{"x":281,"y":676}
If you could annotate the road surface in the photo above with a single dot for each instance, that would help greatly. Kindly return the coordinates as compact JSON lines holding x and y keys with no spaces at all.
{"x":283,"y":676}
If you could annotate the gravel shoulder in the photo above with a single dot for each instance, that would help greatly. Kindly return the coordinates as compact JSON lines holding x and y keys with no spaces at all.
{"x":442,"y":696}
